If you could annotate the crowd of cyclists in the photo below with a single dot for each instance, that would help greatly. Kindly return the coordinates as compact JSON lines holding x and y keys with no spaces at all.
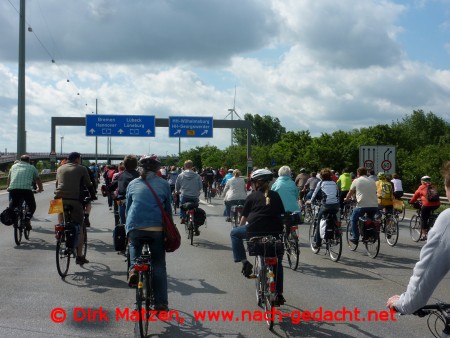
{"x":266,"y":196}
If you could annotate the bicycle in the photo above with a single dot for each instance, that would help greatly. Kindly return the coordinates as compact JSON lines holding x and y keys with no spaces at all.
{"x":145,"y":299}
{"x":348,"y":210}
{"x":389,"y":225}
{"x":189,"y":220}
{"x":266,"y":250}
{"x":209,"y":194}
{"x":309,"y":211}
{"x":415,"y":224}
{"x":236,"y":213}
{"x":20,"y":228}
{"x":442,"y":313}
{"x":290,"y":238}
{"x":370,"y":235}
{"x":66,"y":235}
{"x":332,"y":237}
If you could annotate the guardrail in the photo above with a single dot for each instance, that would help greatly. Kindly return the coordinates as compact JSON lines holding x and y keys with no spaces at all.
{"x":442,"y":199}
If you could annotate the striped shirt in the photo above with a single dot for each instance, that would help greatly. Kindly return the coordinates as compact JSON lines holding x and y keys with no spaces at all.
{"x":21,"y":176}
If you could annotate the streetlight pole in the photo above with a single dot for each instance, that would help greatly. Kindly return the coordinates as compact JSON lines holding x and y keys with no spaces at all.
{"x":96,"y":139}
{"x":62,"y":138}
{"x":21,"y":136}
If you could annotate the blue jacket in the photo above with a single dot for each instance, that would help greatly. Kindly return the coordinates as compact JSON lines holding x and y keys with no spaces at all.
{"x":142,"y":208}
{"x":288,"y":191}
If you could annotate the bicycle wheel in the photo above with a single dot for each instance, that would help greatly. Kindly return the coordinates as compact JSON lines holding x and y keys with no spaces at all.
{"x":143,"y":297}
{"x":373,"y":246}
{"x":308,"y":215}
{"x":312,"y":236}
{"x":268,"y":302}
{"x":349,"y":234}
{"x":174,"y":203}
{"x":18,"y":232}
{"x":335,"y":247}
{"x":401,"y":215}
{"x":414,"y":228}
{"x":209,"y":199}
{"x":191,"y":232}
{"x":259,"y":280}
{"x":85,"y":241}
{"x":292,"y":251}
{"x":62,"y":256}
{"x":391,"y":230}
{"x":26,"y":233}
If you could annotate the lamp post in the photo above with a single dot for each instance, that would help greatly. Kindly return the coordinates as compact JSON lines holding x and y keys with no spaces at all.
{"x":62,"y":138}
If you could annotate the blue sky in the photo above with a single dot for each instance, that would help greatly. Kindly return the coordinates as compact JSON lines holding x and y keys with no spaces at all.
{"x":320,"y":66}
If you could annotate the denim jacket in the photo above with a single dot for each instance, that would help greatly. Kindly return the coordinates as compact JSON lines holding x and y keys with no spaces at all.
{"x":142,"y":208}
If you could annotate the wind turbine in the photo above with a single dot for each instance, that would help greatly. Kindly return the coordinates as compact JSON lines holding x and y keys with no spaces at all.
{"x":231,"y":113}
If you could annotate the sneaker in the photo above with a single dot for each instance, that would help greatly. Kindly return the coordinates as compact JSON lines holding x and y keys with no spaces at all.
{"x":228,"y":219}
{"x":196,"y":232}
{"x":86,"y":221}
{"x":280,"y":300}
{"x":161,"y":307}
{"x":133,"y":278}
{"x":27,"y":224}
{"x":247,"y":269}
{"x":182,"y":221}
{"x":81,"y":260}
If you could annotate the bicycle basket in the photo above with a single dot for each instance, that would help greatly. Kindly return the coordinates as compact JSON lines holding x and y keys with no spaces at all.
{"x":72,"y":232}
{"x":259,"y":246}
{"x":8,"y":216}
{"x":294,"y":218}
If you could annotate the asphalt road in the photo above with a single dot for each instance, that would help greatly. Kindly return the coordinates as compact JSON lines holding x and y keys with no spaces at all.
{"x":201,"y":277}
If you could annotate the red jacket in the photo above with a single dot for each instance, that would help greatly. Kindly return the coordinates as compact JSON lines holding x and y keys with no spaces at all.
{"x":421,"y":193}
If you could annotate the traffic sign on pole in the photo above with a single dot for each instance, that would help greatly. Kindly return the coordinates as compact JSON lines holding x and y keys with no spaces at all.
{"x":120,"y":125}
{"x":190,"y":126}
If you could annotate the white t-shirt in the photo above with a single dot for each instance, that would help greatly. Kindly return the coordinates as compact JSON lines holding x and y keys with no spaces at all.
{"x":366,"y":192}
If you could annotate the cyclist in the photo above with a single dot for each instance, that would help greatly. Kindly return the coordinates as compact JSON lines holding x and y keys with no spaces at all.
{"x":398,"y":186}
{"x":327,"y":192}
{"x":344,"y":182}
{"x":300,"y":180}
{"x":71,"y":178}
{"x":426,"y":206}
{"x":287,"y":189}
{"x":20,"y":183}
{"x":86,"y":198}
{"x":385,"y":195}
{"x":366,"y":199}
{"x":144,"y":222}
{"x":130,"y":163}
{"x":434,"y":263}
{"x":234,"y":192}
{"x":228,"y":176}
{"x":262,"y":210}
{"x":208,"y":179}
{"x":189,"y":186}
{"x":310,"y":185}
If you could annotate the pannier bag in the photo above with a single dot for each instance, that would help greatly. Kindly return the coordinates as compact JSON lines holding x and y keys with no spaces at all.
{"x":327,"y":228}
{"x":8,"y":216}
{"x":119,"y":237}
{"x":199,"y":216}
{"x":259,"y":246}
{"x":368,"y":227}
{"x":72,"y":232}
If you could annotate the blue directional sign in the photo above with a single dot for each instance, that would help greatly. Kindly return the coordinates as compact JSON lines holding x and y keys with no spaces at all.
{"x":190,"y":126}
{"x":120,"y":125}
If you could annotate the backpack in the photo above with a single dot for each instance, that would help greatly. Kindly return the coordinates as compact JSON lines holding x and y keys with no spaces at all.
{"x":386,"y":191}
{"x":432,"y":194}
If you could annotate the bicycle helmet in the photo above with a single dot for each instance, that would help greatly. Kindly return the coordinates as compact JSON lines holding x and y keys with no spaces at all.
{"x":381,"y":175}
{"x":149,"y":161}
{"x":261,"y":175}
{"x":426,"y":178}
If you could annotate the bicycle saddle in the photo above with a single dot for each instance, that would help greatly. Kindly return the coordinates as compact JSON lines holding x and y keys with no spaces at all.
{"x":189,"y":205}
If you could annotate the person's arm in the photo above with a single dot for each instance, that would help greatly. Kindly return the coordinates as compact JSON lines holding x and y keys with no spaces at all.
{"x":349,"y":196}
{"x":428,"y":271}
{"x":416,"y":195}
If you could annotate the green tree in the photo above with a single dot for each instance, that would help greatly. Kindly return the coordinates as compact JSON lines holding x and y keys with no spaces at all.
{"x":266,"y":130}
